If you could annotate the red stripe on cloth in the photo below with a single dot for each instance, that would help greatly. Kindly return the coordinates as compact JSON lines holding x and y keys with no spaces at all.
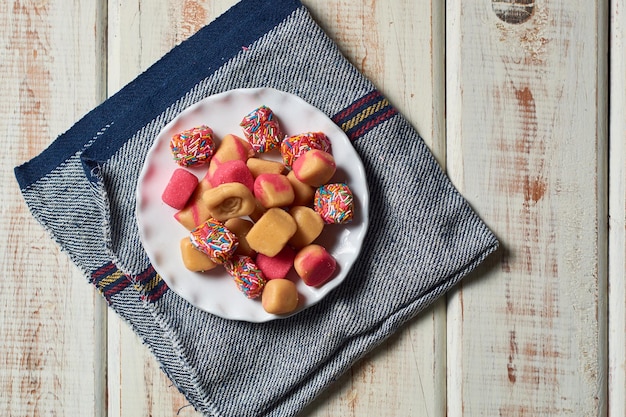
{"x":102,"y":271}
{"x":372,"y":123}
{"x":157,"y":292}
{"x":118,"y":286}
{"x":145,"y":275}
{"x":358,"y":104}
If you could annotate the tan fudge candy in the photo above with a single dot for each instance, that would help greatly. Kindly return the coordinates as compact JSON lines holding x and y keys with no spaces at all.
{"x":259,"y":210}
{"x":240,"y":227}
{"x":193,"y":259}
{"x":315,"y":167}
{"x":273,"y":190}
{"x":262,"y":166}
{"x":231,"y":148}
{"x":280,"y":296}
{"x":229,"y":200}
{"x":195,"y":212}
{"x":270,"y":234}
{"x":303,"y":193}
{"x":310,"y":225}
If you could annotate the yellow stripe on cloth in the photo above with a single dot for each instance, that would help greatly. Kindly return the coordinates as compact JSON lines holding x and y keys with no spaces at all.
{"x":150,"y":285}
{"x":364,"y":114}
{"x":110,"y":279}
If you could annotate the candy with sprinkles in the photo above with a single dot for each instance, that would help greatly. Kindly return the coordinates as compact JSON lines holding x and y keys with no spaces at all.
{"x":193,"y":147}
{"x":214,"y":239}
{"x":334,"y":203}
{"x":267,"y":255}
{"x":292,"y":147}
{"x":262,"y":129}
{"x":247,"y":275}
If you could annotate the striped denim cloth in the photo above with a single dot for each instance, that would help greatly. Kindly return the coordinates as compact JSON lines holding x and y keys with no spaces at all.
{"x":423,"y":237}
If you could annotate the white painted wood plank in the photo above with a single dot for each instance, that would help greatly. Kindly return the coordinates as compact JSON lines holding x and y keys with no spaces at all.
{"x":617,"y":213}
{"x":526,"y":127}
{"x":51,"y":321}
{"x":399,"y":46}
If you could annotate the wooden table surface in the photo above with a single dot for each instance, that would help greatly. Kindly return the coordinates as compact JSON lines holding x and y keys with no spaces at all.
{"x":515,"y":99}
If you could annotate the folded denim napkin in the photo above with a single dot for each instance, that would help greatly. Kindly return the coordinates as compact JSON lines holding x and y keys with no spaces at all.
{"x":423,"y":236}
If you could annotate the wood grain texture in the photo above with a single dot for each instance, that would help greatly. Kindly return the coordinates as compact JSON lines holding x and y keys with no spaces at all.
{"x":617,"y":212}
{"x":517,"y":116}
{"x":399,"y":47}
{"x":51,"y":330}
{"x":526,"y":106}
{"x":140,"y":33}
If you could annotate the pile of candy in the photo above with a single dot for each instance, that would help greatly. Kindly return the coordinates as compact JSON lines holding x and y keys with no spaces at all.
{"x":256,"y":217}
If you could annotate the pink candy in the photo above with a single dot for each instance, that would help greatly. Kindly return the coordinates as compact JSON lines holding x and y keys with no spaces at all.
{"x":179,"y":188}
{"x":276,"y":267}
{"x":314,"y":265}
{"x":233,"y":171}
{"x":273,"y":190}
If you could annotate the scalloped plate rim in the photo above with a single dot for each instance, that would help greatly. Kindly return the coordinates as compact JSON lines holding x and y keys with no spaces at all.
{"x":345,"y":240}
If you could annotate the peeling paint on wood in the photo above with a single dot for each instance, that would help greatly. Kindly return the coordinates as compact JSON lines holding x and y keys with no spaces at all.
{"x":523,"y":144}
{"x":528,"y":43}
{"x":513,"y":11}
{"x":45,"y":301}
{"x":528,"y":332}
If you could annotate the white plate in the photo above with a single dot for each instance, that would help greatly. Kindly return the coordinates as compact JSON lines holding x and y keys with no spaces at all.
{"x":214,"y":291}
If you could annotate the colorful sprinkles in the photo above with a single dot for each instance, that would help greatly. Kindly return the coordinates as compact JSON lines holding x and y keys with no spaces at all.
{"x":334,"y":203}
{"x":193,"y":146}
{"x":247,"y":275}
{"x":214,"y":239}
{"x":294,"y":146}
{"x":262,"y":130}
